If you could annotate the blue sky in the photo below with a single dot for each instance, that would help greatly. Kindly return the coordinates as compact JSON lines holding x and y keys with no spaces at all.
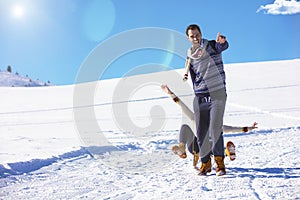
{"x":49,"y":40}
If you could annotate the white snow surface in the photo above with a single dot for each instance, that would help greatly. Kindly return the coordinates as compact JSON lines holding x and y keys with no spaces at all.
{"x":48,"y":153}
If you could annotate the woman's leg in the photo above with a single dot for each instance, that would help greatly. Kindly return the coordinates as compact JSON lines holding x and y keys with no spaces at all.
{"x":186,"y":136}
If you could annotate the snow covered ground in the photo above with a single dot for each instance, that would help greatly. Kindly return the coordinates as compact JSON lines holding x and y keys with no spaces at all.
{"x":8,"y":79}
{"x":51,"y":149}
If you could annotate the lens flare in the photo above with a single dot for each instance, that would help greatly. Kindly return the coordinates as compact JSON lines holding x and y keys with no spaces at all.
{"x":99,"y":20}
{"x":18,"y":11}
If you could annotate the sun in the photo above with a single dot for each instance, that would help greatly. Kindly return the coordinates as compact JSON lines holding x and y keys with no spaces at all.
{"x":18,"y":11}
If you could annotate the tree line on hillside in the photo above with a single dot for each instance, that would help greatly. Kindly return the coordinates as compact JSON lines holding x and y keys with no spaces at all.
{"x":9,"y":70}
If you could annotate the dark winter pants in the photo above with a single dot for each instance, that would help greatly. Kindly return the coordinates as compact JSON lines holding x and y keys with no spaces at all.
{"x":209,"y":113}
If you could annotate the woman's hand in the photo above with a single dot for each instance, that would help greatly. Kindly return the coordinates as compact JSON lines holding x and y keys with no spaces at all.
{"x":166,"y":89}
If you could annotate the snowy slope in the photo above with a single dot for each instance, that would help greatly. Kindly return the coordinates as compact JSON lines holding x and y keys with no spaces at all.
{"x":14,"y":80}
{"x":44,"y":153}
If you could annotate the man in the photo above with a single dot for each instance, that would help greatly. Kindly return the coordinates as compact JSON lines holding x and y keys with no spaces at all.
{"x":207,"y":73}
{"x":187,"y":136}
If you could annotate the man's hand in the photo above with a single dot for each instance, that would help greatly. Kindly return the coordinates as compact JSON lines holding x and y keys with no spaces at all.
{"x":220,"y":38}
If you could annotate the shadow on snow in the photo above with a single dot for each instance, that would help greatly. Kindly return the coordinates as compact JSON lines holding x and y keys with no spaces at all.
{"x":269,"y":172}
{"x":24,"y":167}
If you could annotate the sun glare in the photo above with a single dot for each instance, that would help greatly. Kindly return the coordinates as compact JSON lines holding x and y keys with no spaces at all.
{"x":18,"y":11}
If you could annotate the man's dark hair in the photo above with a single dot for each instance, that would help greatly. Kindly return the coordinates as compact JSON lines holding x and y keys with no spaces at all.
{"x":192,"y":27}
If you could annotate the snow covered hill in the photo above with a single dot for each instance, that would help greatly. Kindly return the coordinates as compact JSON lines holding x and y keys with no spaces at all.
{"x":8,"y":79}
{"x":60,"y":143}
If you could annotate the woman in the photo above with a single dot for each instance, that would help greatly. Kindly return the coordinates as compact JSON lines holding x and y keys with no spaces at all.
{"x":188,"y":138}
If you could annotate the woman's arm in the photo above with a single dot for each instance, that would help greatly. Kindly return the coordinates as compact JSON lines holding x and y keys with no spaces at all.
{"x":177,"y":100}
{"x":237,"y":129}
{"x":190,"y":114}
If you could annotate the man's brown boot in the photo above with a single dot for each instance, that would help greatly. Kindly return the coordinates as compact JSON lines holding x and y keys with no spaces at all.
{"x":205,"y":168}
{"x":220,"y":168}
{"x":195,"y":159}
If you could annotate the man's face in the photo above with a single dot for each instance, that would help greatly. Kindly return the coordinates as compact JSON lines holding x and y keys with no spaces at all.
{"x":194,"y":36}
